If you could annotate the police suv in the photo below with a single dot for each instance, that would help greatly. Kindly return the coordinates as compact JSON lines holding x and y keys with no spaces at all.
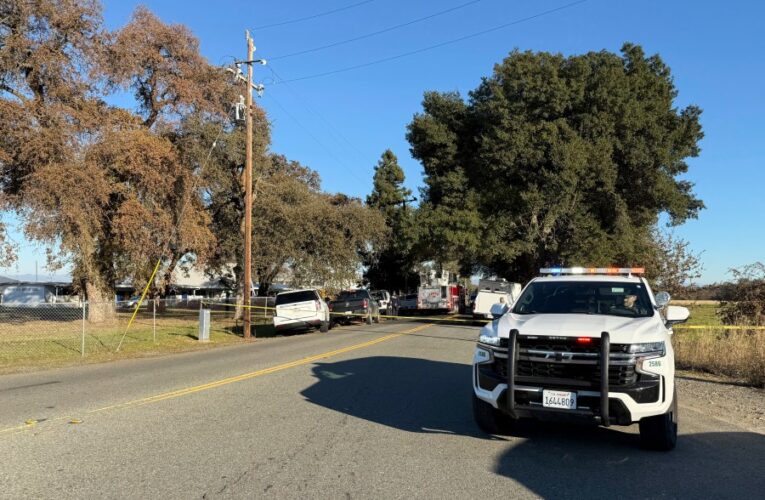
{"x":591,"y":344}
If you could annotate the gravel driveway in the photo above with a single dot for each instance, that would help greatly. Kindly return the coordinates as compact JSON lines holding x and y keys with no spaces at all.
{"x":735,"y":404}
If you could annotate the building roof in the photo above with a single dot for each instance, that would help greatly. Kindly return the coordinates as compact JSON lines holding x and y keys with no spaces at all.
{"x":59,"y":281}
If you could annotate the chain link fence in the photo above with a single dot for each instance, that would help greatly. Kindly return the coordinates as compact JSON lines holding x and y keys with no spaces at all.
{"x":228,"y":313}
{"x":50,"y":334}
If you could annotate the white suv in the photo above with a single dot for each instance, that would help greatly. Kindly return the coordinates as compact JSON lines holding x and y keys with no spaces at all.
{"x":301,"y":309}
{"x":383,"y":300}
{"x":581,"y":344}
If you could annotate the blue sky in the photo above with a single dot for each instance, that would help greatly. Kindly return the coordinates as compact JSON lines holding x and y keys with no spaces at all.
{"x":340,"y":124}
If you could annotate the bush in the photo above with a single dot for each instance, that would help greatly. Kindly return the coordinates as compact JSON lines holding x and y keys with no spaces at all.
{"x":747,"y":306}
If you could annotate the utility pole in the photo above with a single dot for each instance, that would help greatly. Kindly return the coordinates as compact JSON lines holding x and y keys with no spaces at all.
{"x":248,"y":191}
{"x":246,"y":108}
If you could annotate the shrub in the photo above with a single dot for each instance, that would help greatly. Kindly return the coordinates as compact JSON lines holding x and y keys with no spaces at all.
{"x":747,"y":306}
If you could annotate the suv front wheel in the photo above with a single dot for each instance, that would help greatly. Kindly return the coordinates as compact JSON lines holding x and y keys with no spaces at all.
{"x":660,"y":432}
{"x":490,"y":419}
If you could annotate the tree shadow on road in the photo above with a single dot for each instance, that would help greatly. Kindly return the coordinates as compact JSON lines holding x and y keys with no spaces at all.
{"x":410,"y":394}
{"x":568,"y":461}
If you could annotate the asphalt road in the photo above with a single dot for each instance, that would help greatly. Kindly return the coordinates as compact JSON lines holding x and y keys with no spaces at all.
{"x":360,"y":412}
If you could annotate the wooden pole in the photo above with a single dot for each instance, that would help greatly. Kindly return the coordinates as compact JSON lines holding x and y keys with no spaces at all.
{"x":248,"y":193}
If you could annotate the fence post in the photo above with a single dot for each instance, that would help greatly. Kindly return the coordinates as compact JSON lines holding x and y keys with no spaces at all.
{"x":82,"y":341}
{"x":154,"y":320}
{"x":204,"y":325}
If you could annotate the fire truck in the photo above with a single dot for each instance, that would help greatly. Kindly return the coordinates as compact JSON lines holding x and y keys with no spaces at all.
{"x":438,"y":293}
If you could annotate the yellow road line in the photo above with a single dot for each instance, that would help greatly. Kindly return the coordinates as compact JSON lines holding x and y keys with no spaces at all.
{"x":238,"y":378}
{"x":17,"y":428}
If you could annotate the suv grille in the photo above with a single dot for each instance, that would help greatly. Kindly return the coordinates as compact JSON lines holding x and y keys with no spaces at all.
{"x":589,"y":374}
{"x":562,"y":361}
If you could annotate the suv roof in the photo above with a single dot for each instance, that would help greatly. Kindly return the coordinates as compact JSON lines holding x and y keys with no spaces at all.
{"x":295,"y":291}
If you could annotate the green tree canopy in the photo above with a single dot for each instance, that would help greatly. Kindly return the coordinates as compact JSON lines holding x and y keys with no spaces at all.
{"x":388,"y":192}
{"x":390,"y":266}
{"x":556,"y":160}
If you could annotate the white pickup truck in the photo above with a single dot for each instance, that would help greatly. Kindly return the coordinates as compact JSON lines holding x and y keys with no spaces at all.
{"x":581,"y":344}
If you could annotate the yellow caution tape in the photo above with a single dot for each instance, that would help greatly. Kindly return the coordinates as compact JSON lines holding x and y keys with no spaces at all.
{"x":462,"y":320}
{"x":343,"y":314}
{"x":717,"y":327}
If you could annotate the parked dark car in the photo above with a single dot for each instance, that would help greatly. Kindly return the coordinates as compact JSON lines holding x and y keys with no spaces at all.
{"x":408,"y":302}
{"x":354,"y":305}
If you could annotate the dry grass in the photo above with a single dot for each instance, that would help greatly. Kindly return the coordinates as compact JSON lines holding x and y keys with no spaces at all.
{"x":739,"y":354}
{"x":34,"y":343}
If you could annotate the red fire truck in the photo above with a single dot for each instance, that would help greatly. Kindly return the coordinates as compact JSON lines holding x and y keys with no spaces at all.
{"x":437,"y":294}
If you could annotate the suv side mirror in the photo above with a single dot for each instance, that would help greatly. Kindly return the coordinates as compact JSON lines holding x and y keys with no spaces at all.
{"x":498,"y":310}
{"x":662,"y":299}
{"x":676,"y":314}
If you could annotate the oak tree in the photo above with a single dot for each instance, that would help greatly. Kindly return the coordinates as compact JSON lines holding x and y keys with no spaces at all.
{"x":107,"y":185}
{"x":556,"y":160}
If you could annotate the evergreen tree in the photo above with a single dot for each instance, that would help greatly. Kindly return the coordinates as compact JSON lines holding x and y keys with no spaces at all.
{"x":556,"y":160}
{"x":391,"y":265}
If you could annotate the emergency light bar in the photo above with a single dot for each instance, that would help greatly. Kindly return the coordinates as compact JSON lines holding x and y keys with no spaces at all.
{"x":592,"y":270}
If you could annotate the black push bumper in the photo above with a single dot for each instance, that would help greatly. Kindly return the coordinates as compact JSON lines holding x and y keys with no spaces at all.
{"x":599,"y":409}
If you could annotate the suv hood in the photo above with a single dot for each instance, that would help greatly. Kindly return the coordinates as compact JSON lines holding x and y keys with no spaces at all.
{"x":622,"y":330}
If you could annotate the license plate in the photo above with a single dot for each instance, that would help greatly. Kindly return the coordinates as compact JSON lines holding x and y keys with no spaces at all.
{"x":559,"y":399}
{"x":347,"y":313}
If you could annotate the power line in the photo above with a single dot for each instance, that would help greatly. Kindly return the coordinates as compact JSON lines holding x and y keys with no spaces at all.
{"x":431,"y":47}
{"x":310,"y":108}
{"x":314,"y":16}
{"x":375,"y":33}
{"x":316,"y":139}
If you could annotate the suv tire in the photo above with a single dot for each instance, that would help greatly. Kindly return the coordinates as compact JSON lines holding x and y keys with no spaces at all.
{"x":490,"y":419}
{"x":324,"y":327}
{"x":660,"y":432}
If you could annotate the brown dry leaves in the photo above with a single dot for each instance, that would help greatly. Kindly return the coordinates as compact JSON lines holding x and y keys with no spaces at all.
{"x":101,"y":181}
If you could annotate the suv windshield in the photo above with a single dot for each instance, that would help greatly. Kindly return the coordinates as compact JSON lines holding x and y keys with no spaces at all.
{"x":292,"y":297}
{"x":585,"y":297}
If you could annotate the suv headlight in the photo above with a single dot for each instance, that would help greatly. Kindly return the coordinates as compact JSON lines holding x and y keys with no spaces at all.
{"x":656,"y":349}
{"x":647,"y":354}
{"x":489,"y":339}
